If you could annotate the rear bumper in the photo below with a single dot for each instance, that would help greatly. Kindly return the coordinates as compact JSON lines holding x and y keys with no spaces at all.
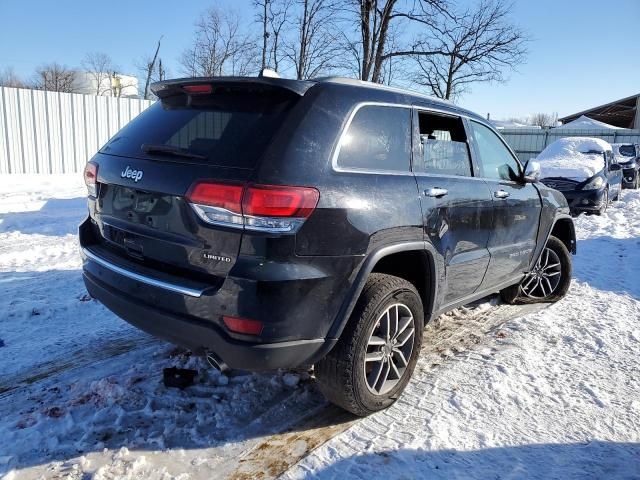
{"x":297,"y":304}
{"x":200,"y":336}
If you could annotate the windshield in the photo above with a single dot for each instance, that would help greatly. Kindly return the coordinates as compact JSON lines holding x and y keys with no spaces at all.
{"x":230,"y":129}
{"x":627,"y":150}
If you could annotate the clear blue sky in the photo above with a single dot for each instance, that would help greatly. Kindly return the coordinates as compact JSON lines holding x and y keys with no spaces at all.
{"x":584,"y":52}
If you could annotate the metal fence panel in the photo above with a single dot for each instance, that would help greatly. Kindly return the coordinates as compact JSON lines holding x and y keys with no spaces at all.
{"x":53,"y":132}
{"x":528,"y":143}
{"x":41,"y":140}
{"x":13,"y":137}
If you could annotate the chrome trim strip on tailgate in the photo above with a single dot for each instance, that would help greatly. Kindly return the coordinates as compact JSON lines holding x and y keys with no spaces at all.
{"x":142,"y":278}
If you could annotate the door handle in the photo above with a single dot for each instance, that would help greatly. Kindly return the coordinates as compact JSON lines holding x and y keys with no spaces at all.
{"x":501,"y":194}
{"x":435,"y":192}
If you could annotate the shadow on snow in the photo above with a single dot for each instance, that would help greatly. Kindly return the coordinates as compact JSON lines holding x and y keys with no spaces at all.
{"x":593,"y":460}
{"x":57,"y":217}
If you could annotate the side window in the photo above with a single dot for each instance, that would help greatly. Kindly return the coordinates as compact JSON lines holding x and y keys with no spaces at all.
{"x":378,"y":138}
{"x":496,"y":161}
{"x":443,"y":146}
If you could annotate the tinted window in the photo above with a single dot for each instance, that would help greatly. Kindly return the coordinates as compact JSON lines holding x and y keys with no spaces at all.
{"x":379,"y":138}
{"x":229,"y":128}
{"x":443,"y":144}
{"x":495,"y":159}
{"x":627,"y":150}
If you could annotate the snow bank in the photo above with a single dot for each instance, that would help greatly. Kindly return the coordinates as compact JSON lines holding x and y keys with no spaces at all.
{"x":577,"y":158}
{"x":44,"y":306}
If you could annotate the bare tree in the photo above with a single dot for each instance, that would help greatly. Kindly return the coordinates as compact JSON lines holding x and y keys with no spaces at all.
{"x":149,"y":65}
{"x":278,"y":16}
{"x":314,"y":46}
{"x":543,"y":119}
{"x":263,"y":7}
{"x":375,"y":16}
{"x":377,"y":45}
{"x":220,"y":47}
{"x":162,"y":73}
{"x":8,"y":78}
{"x":100,"y":68}
{"x":105,"y":75}
{"x":56,"y":78}
{"x":475,"y":46}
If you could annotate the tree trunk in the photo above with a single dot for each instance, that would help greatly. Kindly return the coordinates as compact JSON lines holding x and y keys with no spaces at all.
{"x":303,"y":41}
{"x":382,"y":40}
{"x":150,"y":67}
{"x":265,"y":34}
{"x":366,"y":7}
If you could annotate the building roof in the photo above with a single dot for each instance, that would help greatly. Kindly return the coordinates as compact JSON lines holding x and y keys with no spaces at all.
{"x":619,"y":113}
{"x":585,"y":123}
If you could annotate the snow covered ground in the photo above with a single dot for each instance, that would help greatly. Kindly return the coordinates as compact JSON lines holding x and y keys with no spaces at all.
{"x":499,"y":391}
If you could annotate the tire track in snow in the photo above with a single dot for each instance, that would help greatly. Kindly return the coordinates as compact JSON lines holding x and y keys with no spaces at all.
{"x":447,"y":338}
{"x":78,"y":360}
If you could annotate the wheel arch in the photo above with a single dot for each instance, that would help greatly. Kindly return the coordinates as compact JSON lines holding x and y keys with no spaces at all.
{"x":413,"y":261}
{"x":564,"y":229}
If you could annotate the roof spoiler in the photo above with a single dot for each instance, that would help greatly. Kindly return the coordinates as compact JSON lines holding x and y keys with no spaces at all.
{"x":166,"y":87}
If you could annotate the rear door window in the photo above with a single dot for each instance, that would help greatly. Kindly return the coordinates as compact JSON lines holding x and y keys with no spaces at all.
{"x":229,"y":128}
{"x":378,"y":138}
{"x":443,"y":146}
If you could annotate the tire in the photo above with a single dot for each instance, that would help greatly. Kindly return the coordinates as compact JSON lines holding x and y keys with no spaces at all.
{"x":605,"y":203}
{"x":342,"y":375}
{"x":520,"y":293}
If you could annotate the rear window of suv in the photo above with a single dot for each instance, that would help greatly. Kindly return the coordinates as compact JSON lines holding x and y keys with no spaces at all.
{"x":627,"y":150}
{"x":229,"y":128}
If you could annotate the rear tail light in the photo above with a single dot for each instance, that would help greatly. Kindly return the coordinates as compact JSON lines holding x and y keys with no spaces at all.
{"x":276,"y":201}
{"x":91,"y":178}
{"x":243,"y":325}
{"x":198,"y":89}
{"x":269,"y":208}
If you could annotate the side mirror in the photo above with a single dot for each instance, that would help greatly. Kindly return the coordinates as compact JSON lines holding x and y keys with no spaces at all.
{"x":531,"y":172}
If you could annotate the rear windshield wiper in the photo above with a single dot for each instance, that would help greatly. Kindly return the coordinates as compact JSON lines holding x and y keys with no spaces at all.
{"x":169,"y":150}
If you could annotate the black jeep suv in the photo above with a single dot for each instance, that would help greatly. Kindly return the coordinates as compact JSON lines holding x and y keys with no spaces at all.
{"x":272,"y":223}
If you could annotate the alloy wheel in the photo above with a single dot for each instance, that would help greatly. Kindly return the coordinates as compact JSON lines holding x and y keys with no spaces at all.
{"x":389,"y":348}
{"x":545,"y":277}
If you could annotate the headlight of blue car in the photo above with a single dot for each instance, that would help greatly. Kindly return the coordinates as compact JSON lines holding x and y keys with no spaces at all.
{"x":594,"y":184}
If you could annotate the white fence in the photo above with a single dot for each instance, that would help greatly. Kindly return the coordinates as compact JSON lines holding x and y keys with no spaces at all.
{"x":52,"y":132}
{"x":529,"y":143}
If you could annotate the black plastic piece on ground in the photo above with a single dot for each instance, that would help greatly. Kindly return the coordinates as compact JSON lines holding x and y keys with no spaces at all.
{"x":178,"y":377}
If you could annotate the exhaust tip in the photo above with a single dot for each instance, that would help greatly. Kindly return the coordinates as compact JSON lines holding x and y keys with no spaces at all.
{"x":217,"y":363}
